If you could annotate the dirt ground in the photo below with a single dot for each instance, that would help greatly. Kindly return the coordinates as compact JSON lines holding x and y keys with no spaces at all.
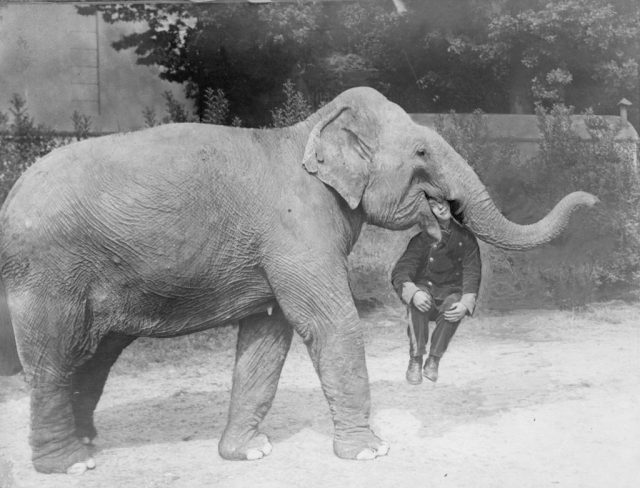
{"x":525,"y":399}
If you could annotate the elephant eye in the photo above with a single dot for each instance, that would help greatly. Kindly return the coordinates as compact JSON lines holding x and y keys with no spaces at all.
{"x":421,"y":153}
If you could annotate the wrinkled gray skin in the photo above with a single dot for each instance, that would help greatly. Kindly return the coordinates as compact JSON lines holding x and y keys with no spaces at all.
{"x":181,"y":228}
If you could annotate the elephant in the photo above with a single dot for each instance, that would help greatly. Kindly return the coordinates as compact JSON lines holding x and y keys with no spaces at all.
{"x":184,"y":227}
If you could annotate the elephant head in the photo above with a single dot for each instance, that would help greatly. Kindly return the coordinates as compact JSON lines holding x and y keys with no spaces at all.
{"x":371,"y":152}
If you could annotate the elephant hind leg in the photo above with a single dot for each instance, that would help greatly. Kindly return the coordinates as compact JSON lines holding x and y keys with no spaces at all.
{"x":263,"y":344}
{"x":55,"y":447}
{"x":89,"y":380}
{"x":50,"y":339}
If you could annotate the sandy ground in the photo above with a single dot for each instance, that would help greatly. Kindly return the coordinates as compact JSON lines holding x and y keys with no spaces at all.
{"x":525,"y":399}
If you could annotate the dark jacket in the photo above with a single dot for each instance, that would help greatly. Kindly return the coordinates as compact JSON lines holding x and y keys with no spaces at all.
{"x":451,"y":266}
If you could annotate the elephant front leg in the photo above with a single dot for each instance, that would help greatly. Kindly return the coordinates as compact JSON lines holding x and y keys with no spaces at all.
{"x":317,"y":300}
{"x":339,"y":359}
{"x":263,"y":344}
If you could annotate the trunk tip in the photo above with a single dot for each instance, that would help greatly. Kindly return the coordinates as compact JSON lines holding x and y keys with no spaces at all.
{"x":583,"y":198}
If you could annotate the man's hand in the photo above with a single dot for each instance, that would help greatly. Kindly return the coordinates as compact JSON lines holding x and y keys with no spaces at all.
{"x":455,"y":313}
{"x":422,"y":301}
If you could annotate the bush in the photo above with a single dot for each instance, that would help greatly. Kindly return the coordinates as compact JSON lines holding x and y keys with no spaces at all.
{"x":21,"y":143}
{"x":149,"y":116}
{"x":295,"y":107}
{"x":81,"y":125}
{"x":599,"y":254}
{"x":497,"y":164}
{"x":599,"y":166}
{"x":216,"y":107}
{"x":176,"y":111}
{"x":216,"y":110}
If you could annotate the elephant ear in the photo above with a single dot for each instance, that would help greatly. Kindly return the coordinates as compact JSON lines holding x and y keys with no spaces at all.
{"x":339,"y":152}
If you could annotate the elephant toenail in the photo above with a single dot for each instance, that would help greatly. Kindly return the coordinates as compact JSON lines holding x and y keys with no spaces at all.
{"x":267,"y":448}
{"x":77,"y":468}
{"x":86,"y":441}
{"x":253,"y":454}
{"x":383,"y":450}
{"x":91,"y":464}
{"x":366,"y":455}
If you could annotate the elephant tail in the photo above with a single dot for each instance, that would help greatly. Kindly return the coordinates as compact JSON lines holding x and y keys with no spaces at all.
{"x":9,"y":359}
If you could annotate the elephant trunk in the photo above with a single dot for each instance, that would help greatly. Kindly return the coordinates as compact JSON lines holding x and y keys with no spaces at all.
{"x":487,"y":222}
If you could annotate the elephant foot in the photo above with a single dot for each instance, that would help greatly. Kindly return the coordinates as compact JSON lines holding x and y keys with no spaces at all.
{"x":361,"y":446}
{"x":77,"y":462}
{"x":234,"y":448}
{"x":58,"y":431}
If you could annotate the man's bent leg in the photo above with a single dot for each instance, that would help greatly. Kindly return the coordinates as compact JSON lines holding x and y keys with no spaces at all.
{"x":440,"y":338}
{"x":418,"y":332}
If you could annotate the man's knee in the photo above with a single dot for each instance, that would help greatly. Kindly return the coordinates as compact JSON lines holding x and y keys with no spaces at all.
{"x":418,"y":316}
{"x":449,"y":301}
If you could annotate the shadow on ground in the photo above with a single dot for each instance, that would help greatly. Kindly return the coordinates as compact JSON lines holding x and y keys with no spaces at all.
{"x":189,"y":416}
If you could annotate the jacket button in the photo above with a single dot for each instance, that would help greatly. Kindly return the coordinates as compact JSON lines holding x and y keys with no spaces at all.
{"x":429,"y":283}
{"x":459,"y":243}
{"x":431,"y":259}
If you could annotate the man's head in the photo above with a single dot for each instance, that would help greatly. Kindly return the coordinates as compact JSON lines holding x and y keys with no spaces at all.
{"x":440,"y":209}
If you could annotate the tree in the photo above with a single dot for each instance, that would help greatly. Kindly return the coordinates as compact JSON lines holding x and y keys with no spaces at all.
{"x":416,"y":57}
{"x":247,"y":51}
{"x":427,"y":55}
{"x":504,"y":55}
{"x":581,"y":52}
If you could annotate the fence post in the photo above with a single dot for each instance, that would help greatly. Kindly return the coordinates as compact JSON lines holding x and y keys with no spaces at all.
{"x":623,"y":105}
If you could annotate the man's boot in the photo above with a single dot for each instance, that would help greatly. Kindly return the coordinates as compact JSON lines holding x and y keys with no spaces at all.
{"x":431,"y":368}
{"x":413,"y":375}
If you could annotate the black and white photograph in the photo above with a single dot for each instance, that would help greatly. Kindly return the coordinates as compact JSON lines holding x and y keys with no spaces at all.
{"x":320,"y":243}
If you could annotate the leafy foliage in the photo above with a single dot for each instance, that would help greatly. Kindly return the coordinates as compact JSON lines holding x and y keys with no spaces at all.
{"x":81,"y":125}
{"x":602,"y":167}
{"x":216,"y":106}
{"x":21,"y":143}
{"x":176,"y":111}
{"x":599,"y":254}
{"x":499,"y":56}
{"x":575,"y":44}
{"x":150,"y":117}
{"x":247,"y":51}
{"x":294,"y":108}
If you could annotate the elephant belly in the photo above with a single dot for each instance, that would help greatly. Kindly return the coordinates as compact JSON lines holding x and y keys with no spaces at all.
{"x":170,"y":312}
{"x":193,"y":319}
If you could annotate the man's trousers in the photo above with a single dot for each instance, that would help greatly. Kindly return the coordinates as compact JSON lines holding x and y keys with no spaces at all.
{"x":418,"y":331}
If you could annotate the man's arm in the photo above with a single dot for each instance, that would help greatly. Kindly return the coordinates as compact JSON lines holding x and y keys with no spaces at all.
{"x":405,"y":270}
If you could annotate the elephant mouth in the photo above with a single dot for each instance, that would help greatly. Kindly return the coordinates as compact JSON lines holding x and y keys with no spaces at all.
{"x":457,"y":210}
{"x":455,"y":205}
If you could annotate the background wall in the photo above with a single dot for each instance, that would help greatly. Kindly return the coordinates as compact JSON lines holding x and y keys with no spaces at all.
{"x":55,"y":58}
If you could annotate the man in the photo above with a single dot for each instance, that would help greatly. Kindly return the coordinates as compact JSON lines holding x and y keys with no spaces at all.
{"x":437,"y":281}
